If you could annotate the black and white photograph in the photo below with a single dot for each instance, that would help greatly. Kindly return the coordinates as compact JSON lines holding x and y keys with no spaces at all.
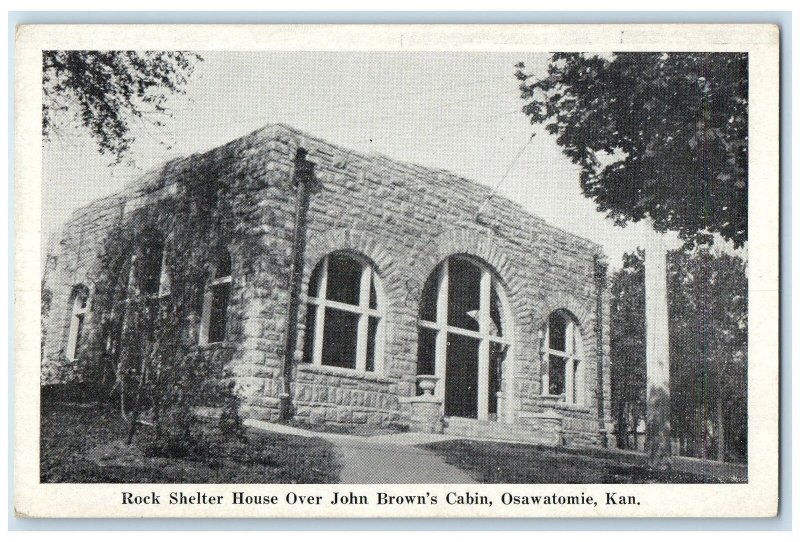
{"x":445,"y":268}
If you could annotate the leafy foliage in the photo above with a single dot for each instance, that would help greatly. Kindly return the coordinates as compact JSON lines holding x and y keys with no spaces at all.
{"x":149,"y":286}
{"x":658,"y":135}
{"x":72,"y":434}
{"x":106,"y":90}
{"x":628,"y":349}
{"x":708,"y":351}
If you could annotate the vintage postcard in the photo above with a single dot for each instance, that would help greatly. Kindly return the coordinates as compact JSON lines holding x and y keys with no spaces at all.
{"x":396,"y":271}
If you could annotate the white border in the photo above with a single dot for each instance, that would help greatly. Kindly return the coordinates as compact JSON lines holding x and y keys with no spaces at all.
{"x":756,"y":498}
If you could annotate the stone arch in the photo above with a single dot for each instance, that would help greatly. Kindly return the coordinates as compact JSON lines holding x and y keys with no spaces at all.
{"x":369,"y":246}
{"x":480,"y":245}
{"x":582,"y":311}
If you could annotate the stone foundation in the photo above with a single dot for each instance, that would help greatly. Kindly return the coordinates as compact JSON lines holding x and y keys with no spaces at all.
{"x":339,"y":396}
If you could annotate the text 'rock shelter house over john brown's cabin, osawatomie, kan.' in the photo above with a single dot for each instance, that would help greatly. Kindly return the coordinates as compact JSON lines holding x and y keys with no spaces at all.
{"x":424,"y":302}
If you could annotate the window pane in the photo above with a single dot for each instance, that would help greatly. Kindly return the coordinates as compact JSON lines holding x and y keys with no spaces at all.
{"x":464,"y":294}
{"x":308,"y":342}
{"x":461,"y":391}
{"x":150,"y":268}
{"x":371,"y":336}
{"x":344,"y":279}
{"x":373,"y":295}
{"x":78,"y":333}
{"x":313,"y":283}
{"x":340,"y":338}
{"x":558,"y":332}
{"x":223,"y":265}
{"x":496,"y":322}
{"x":426,"y":352}
{"x":427,"y":303}
{"x":497,"y":353}
{"x":557,"y":375}
{"x":219,"y":308}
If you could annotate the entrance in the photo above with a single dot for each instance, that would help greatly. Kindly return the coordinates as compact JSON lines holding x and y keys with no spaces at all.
{"x":463,"y":337}
{"x":461,"y":390}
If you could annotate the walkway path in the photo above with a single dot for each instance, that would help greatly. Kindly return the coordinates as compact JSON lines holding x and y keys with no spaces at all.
{"x":396,"y":459}
{"x":383,"y":459}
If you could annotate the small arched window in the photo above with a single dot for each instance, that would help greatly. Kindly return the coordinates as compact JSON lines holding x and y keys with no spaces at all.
{"x":563,"y":349}
{"x":151,"y":266}
{"x":213,"y":323}
{"x":344,"y":323}
{"x":79,"y":301}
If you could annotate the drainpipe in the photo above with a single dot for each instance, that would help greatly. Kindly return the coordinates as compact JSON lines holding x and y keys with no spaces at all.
{"x":303,"y":179}
{"x":600,"y":270}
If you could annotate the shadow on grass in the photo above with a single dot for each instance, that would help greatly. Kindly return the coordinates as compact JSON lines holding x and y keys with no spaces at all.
{"x":73,"y":435}
{"x":509,"y":463}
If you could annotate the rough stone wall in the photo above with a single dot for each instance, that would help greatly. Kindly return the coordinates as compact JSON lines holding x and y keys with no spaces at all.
{"x":75,"y":263}
{"x":405,"y":219}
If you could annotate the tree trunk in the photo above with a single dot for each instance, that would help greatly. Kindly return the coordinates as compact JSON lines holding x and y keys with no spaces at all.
{"x":657,"y":441}
{"x":138,"y":398}
{"x":622,"y":427}
{"x":720,"y":428}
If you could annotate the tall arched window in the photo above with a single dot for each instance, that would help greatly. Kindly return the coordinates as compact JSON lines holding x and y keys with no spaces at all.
{"x":79,"y":301}
{"x":563,"y":349}
{"x":215,"y":302}
{"x":345,"y":319}
{"x":464,"y":337}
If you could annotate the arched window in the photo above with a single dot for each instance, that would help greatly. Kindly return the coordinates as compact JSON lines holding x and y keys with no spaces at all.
{"x":464,"y":337}
{"x":79,"y":301}
{"x":151,"y":266}
{"x":213,"y":323}
{"x":344,"y":323}
{"x":563,"y":349}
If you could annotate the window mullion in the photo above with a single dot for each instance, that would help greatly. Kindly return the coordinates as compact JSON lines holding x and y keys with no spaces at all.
{"x":441,"y":320}
{"x":546,"y":363}
{"x":483,"y":348}
{"x":355,"y":309}
{"x":363,"y":318}
{"x":569,"y":389}
{"x":72,"y":339}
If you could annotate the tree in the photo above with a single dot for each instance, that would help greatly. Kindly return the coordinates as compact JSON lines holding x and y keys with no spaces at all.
{"x":149,"y":285}
{"x":657,"y":135}
{"x":628,"y":376}
{"x":105,"y":90}
{"x":708,"y":351}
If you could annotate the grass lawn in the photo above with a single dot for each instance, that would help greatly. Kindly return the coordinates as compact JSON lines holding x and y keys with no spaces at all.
{"x":70,"y":433}
{"x":507,"y":463}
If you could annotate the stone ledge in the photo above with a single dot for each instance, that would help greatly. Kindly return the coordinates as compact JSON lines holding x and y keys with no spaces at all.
{"x":344,"y":373}
{"x":572,"y":408}
{"x":540,"y":415}
{"x":419,"y":399}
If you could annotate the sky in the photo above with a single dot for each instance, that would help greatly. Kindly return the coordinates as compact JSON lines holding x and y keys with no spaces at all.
{"x":456,"y":111}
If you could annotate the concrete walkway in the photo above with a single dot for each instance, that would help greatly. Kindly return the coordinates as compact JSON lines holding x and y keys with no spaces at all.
{"x":382,"y":459}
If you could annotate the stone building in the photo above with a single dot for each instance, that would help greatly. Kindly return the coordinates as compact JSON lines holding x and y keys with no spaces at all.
{"x":425,"y":300}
